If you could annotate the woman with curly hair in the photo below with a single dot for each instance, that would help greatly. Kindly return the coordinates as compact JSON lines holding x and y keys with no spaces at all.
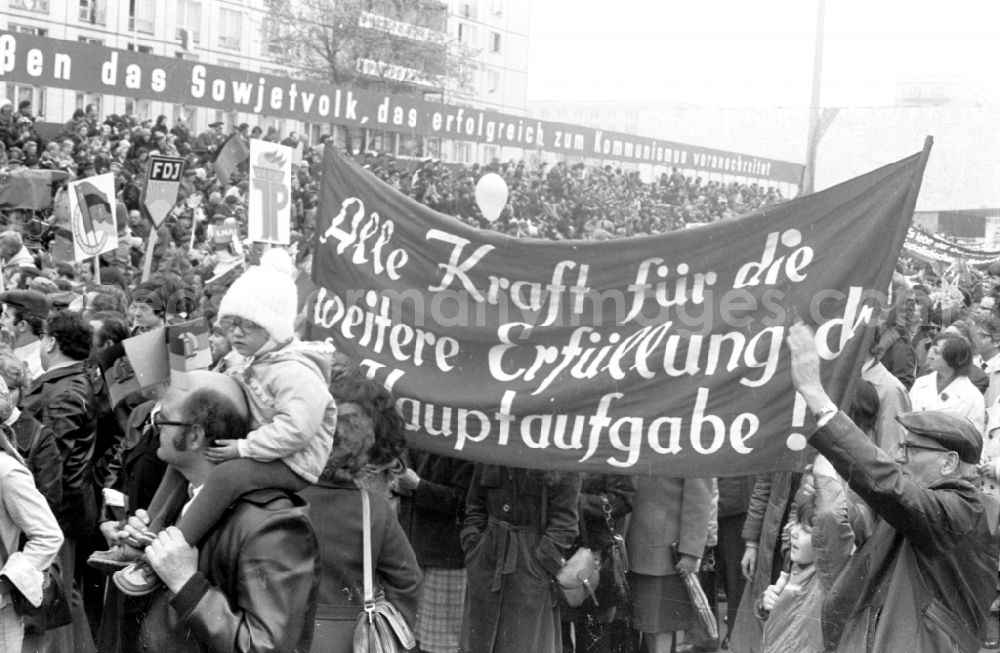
{"x":370,"y":438}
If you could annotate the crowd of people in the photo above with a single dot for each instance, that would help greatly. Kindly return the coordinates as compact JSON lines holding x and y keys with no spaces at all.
{"x":176,"y":516}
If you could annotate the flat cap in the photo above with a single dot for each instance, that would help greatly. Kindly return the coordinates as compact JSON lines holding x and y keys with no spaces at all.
{"x":950,"y":431}
{"x":32,"y":301}
{"x":63,"y":299}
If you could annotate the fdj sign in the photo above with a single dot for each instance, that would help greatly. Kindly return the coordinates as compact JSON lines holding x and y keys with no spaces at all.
{"x":164,"y":169}
{"x":163,"y":180}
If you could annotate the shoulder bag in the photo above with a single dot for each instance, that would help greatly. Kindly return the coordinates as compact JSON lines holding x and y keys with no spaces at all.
{"x":579,"y":576}
{"x":381,"y":628}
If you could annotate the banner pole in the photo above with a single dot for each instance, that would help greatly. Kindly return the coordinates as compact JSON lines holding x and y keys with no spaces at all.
{"x":147,"y":261}
{"x":97,"y":269}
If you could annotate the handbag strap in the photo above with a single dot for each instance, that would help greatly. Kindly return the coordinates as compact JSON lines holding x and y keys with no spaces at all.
{"x":366,"y":518}
{"x":606,"y":509}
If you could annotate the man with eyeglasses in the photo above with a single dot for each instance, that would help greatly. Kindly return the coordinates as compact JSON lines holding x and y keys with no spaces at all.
{"x":252,"y":581}
{"x":924,"y":579}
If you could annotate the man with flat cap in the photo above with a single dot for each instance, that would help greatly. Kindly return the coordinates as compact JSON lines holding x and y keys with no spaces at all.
{"x":925,"y":577}
{"x":24,"y":315}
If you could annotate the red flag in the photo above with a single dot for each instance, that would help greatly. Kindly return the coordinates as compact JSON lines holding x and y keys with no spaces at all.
{"x":232,"y":153}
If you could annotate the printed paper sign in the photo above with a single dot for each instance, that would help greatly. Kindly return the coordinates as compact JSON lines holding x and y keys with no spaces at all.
{"x":187,"y":344}
{"x":269,"y":211}
{"x":147,"y":353}
{"x":163,"y":180}
{"x":118,"y":373}
{"x":92,"y":214}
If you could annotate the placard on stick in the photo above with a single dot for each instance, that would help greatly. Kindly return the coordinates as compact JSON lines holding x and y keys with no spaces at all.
{"x":163,"y":180}
{"x":269,"y":211}
{"x":92,"y":215}
{"x":147,"y":353}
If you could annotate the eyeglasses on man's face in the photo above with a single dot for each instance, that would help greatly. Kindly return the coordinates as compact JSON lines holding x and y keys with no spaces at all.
{"x":157,"y":422}
{"x":904,"y":448}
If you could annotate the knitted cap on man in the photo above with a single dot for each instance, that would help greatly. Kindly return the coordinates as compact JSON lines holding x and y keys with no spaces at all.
{"x":265,"y":294}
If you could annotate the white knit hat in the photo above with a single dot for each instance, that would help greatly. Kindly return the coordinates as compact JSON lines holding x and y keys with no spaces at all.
{"x":265,"y":295}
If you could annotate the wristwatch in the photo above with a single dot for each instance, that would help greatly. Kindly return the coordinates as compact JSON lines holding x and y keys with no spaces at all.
{"x":824,"y":414}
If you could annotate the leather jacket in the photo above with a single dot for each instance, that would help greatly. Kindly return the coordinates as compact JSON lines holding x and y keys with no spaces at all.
{"x":925,"y":578}
{"x":256,"y":586}
{"x":63,"y":400}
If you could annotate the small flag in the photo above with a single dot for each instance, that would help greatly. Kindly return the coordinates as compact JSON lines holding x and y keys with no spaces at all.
{"x":232,"y":153}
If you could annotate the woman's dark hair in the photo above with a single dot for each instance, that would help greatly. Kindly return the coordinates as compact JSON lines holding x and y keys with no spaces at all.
{"x":377,"y":404}
{"x":863,"y":409}
{"x":956,"y":352}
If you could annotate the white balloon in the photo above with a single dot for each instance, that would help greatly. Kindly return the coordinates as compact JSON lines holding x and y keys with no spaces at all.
{"x":491,"y":195}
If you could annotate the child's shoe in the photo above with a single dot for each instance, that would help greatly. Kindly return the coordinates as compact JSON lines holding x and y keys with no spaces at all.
{"x":115,"y":558}
{"x":138,"y":579}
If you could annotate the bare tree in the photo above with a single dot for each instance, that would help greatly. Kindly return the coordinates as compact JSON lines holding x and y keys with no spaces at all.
{"x":395,"y":46}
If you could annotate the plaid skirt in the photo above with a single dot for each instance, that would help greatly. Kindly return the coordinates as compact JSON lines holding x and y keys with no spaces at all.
{"x":439,"y":615}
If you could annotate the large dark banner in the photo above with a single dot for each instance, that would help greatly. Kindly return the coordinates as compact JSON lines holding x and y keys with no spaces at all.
{"x":658,"y":354}
{"x":41,"y":61}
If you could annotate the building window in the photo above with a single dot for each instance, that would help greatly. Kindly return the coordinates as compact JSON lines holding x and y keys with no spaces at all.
{"x":272,"y":32}
{"x":189,"y":20}
{"x":186,"y":56}
{"x":141,"y":16}
{"x":87,"y":39}
{"x":41,"y":6}
{"x":495,"y":42}
{"x":138,"y":108}
{"x":497,"y":7}
{"x":230,"y":29}
{"x":18,"y":93}
{"x":492,"y":80}
{"x":467,"y":34}
{"x":28,"y":29}
{"x":93,"y":12}
{"x":83,"y":100}
{"x":469,"y":9}
{"x":137,"y":47}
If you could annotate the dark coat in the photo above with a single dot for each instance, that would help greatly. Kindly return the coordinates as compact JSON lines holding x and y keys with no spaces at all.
{"x":518,"y":529}
{"x":336,"y":511}
{"x":619,"y":492}
{"x":900,"y":357}
{"x":925,"y":578}
{"x":136,"y":471}
{"x":37,"y":445}
{"x":432,"y":515}
{"x":63,"y":400}
{"x":256,"y":586}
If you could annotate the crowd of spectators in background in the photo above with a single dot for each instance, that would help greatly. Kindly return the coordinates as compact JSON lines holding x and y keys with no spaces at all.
{"x":559,"y":202}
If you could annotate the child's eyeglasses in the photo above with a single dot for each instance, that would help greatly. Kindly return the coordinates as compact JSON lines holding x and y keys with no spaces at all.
{"x":228,"y":324}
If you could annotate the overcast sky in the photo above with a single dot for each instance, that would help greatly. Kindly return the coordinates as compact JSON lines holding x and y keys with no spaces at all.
{"x":753,"y":53}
